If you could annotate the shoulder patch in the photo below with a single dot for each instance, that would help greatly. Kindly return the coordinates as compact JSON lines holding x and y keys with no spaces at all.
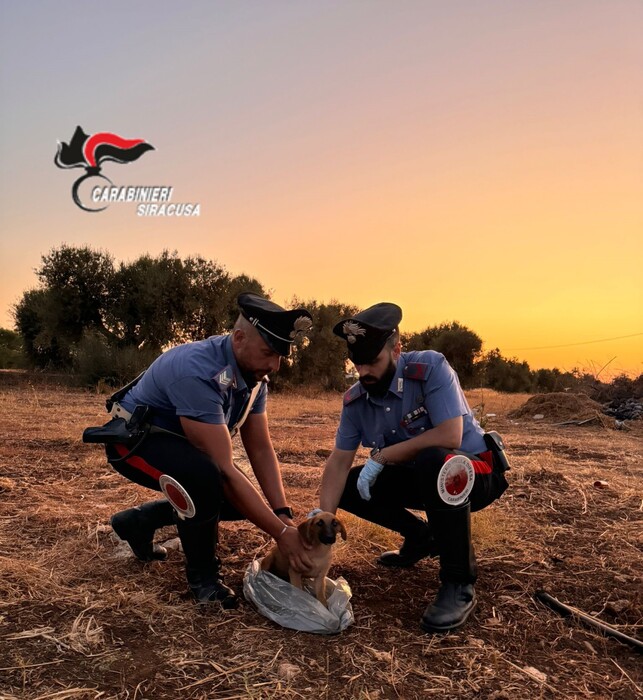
{"x":353,"y":393}
{"x":225,"y":378}
{"x":417,"y":370}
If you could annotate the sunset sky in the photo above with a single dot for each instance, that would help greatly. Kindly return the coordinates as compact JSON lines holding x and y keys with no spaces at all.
{"x":471,"y":161}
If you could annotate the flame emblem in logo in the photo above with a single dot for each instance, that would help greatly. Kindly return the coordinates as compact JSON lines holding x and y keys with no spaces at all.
{"x":90,"y":152}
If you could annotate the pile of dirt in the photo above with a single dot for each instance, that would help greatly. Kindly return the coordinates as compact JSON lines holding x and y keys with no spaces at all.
{"x":558,"y":407}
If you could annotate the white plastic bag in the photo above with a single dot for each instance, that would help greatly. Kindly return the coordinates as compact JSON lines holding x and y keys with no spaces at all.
{"x":291,"y":607}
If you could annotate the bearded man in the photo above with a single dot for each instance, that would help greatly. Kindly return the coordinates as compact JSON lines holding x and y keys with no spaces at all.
{"x":428,"y":453}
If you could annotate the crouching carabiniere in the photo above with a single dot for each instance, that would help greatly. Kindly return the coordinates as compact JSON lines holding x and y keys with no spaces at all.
{"x":428,"y":453}
{"x":182,"y":413}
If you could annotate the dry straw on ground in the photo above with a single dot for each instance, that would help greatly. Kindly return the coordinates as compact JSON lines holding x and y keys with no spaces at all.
{"x":81,"y":619}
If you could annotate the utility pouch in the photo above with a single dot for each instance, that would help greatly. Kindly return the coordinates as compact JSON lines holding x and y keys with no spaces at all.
{"x":118,"y":430}
{"x":494,"y":442}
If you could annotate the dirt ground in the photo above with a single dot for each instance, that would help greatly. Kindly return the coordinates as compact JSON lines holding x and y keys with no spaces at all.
{"x":81,"y":618}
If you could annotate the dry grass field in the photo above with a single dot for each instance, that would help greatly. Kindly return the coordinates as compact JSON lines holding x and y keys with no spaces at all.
{"x":81,"y":618}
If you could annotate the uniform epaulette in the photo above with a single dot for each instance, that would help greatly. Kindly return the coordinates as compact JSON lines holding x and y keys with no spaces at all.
{"x":225,"y":378}
{"x":353,"y":393}
{"x":417,"y":370}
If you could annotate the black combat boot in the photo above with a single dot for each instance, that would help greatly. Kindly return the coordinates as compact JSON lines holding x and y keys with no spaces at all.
{"x":137,"y":527}
{"x":417,"y":545}
{"x":199,"y":542}
{"x":456,"y":598}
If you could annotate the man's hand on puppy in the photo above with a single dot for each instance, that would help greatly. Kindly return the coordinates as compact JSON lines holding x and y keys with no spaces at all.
{"x":294,"y":548}
{"x":367,"y":477}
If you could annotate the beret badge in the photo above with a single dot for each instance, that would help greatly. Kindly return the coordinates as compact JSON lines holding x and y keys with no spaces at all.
{"x":301,"y":326}
{"x":351,"y":330}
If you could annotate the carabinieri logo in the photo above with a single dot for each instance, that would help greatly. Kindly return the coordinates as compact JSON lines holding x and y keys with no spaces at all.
{"x":90,"y":152}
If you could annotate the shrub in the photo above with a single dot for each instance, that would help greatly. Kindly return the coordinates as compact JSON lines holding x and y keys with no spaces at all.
{"x":504,"y":374}
{"x":12,"y":354}
{"x":95,"y":361}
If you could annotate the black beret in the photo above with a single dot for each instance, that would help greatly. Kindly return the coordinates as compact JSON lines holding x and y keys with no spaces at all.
{"x":277,"y":326}
{"x":366,"y":332}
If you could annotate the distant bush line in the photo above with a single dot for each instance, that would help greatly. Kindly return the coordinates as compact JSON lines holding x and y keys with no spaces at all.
{"x":103,"y":322}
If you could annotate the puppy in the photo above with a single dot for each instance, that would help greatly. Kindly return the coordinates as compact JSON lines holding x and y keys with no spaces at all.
{"x":321,"y":532}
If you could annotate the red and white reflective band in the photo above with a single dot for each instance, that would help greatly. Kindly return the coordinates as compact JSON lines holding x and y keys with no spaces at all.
{"x":178,"y":497}
{"x":455,"y":480}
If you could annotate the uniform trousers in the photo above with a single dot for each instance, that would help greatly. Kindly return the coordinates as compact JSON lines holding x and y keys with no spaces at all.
{"x":161,"y":454}
{"x":413,"y":485}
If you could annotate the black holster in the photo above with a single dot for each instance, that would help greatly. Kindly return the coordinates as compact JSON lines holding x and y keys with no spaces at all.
{"x":118,"y":430}
{"x":494,"y":443}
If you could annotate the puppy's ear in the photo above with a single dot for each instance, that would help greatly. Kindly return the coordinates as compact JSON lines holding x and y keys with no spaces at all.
{"x":342,"y":529}
{"x":304,"y":529}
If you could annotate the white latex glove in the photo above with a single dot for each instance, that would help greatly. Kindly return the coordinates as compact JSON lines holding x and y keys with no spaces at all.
{"x":367,"y":478}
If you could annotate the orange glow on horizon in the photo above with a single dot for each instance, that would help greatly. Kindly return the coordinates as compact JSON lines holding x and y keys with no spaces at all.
{"x":479,"y":166}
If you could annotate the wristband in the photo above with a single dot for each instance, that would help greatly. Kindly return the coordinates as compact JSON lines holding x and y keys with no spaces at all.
{"x":285,"y":510}
{"x":282,"y":532}
{"x":377,"y":456}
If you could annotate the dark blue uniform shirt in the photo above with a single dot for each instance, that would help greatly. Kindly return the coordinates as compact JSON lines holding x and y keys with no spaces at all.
{"x":425,"y":392}
{"x":198,"y":380}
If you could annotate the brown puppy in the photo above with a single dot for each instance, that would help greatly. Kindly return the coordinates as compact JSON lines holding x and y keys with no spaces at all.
{"x":321,"y":532}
